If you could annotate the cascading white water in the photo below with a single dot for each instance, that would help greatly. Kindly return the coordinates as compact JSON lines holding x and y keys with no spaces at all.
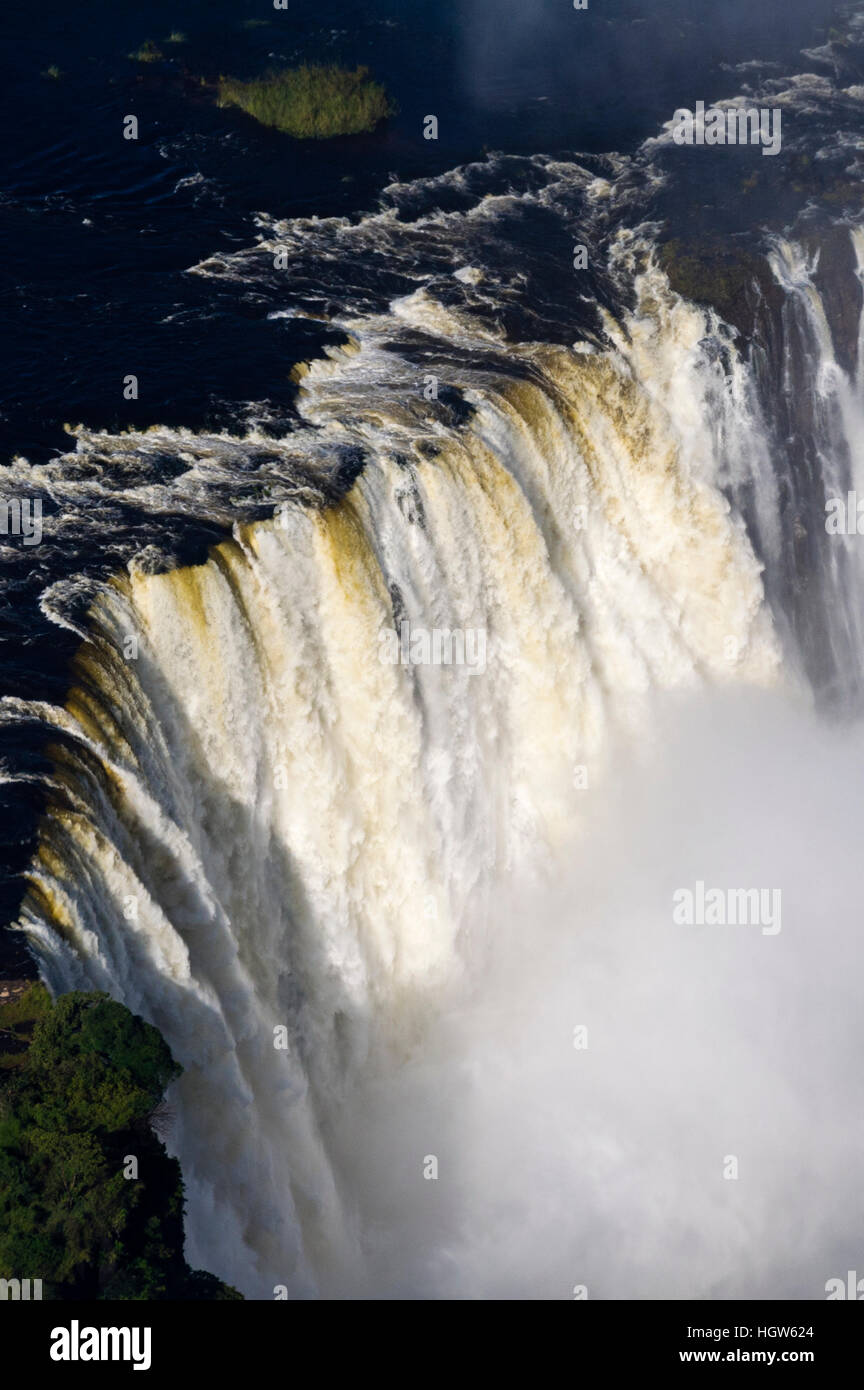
{"x":836,"y":415}
{"x":262,"y":825}
{"x":272,"y":826}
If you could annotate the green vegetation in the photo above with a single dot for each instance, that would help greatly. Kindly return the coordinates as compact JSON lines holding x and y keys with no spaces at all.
{"x":17,"y":1021}
{"x":149,"y":52}
{"x":85,"y":1079}
{"x":311,"y":102}
{"x":53,"y":72}
{"x":176,"y":37}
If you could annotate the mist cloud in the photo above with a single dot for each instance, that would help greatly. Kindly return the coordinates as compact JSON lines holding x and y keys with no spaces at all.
{"x":605,"y":1166}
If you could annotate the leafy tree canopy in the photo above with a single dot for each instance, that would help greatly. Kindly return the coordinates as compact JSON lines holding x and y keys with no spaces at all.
{"x":75,"y":1106}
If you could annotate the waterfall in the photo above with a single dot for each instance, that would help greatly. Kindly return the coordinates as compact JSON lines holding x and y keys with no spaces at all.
{"x":819,"y":435}
{"x":287,"y":851}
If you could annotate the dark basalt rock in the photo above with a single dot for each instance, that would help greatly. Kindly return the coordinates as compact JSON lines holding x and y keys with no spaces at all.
{"x":735,"y":281}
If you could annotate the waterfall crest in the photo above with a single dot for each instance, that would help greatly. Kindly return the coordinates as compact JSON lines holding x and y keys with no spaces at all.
{"x":258,"y":823}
